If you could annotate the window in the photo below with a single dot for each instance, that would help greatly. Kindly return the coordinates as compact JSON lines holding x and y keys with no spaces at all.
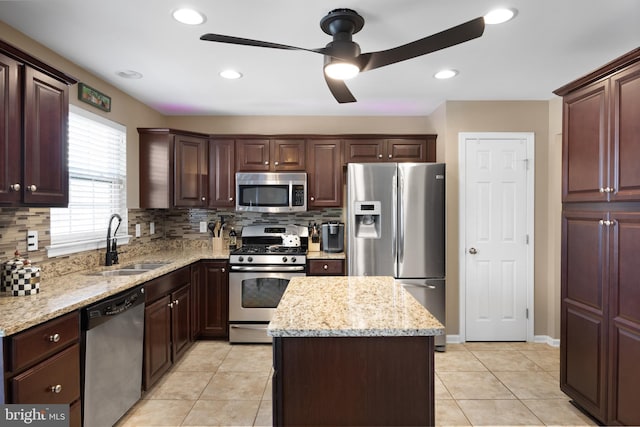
{"x":97,"y":185}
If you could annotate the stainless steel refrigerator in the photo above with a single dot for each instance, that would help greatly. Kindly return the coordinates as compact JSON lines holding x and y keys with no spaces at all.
{"x":396,"y":227}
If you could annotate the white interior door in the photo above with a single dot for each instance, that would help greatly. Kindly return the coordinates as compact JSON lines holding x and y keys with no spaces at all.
{"x":497,"y":262}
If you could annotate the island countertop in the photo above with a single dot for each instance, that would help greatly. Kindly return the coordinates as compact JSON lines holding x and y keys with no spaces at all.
{"x":321,"y":306}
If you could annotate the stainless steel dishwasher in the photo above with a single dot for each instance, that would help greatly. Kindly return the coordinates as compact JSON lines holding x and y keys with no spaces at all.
{"x":113,"y":332}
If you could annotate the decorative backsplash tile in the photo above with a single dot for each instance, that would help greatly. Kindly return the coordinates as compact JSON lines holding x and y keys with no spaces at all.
{"x":174,"y":229}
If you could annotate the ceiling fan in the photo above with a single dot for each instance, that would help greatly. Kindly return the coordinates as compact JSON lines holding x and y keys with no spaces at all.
{"x":342,"y":57}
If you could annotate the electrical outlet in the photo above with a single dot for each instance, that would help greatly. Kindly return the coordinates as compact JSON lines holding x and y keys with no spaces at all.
{"x":152,"y":228}
{"x":32,"y":240}
{"x":138,"y":230}
{"x":203,"y":226}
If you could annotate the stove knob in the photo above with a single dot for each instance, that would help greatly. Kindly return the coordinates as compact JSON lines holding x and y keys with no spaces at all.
{"x":250,"y":259}
{"x":293,"y":259}
{"x":284,"y":259}
{"x":240,"y":259}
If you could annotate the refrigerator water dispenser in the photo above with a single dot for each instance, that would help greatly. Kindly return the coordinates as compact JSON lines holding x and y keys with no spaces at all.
{"x":367,"y":219}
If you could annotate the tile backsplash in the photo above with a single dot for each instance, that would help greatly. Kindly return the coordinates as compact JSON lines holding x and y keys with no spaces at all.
{"x":173,"y":227}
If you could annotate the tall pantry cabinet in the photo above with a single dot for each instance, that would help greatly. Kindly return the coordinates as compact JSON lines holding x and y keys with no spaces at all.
{"x":600,"y":288}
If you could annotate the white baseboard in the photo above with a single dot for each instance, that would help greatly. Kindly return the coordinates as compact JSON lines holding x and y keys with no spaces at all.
{"x":545,"y":339}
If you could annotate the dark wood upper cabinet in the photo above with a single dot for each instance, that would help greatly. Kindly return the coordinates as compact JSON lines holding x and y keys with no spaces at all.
{"x":601,"y":133}
{"x":270,"y":155}
{"x":190,"y":171}
{"x":324,"y":173}
{"x":33,"y":131}
{"x":390,"y":149}
{"x":10,"y":122}
{"x":222,"y":169}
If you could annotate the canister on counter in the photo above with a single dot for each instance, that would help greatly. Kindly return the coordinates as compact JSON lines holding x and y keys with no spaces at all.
{"x":8,"y":268}
{"x":25,"y":280}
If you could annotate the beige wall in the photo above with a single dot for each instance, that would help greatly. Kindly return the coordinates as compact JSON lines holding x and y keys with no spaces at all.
{"x":124,"y":109}
{"x":506,"y":116}
{"x":541,"y":117}
{"x":300,"y":124}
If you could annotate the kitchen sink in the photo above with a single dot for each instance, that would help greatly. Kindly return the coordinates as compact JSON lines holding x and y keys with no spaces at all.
{"x":131,"y":269}
{"x":120,"y":272}
{"x":145,"y":266}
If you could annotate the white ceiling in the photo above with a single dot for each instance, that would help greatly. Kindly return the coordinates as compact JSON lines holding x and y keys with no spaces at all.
{"x":548,"y":44}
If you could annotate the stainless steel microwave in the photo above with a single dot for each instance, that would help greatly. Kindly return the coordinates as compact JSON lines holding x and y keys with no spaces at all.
{"x":271,"y":192}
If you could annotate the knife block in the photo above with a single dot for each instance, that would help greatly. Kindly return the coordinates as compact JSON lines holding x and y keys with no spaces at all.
{"x":217,"y":243}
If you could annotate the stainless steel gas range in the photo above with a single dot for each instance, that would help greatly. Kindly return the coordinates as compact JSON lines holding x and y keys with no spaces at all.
{"x":260,"y":270}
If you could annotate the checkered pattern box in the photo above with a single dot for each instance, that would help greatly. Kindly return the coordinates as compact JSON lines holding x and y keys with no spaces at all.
{"x":7,"y":270}
{"x":25,"y":281}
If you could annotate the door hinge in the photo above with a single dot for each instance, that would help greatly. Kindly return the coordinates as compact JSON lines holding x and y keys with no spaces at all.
{"x":527,"y":313}
{"x":526,"y":239}
{"x":526,"y":164}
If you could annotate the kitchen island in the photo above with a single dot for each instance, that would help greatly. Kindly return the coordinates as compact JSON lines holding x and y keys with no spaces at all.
{"x":352,"y":351}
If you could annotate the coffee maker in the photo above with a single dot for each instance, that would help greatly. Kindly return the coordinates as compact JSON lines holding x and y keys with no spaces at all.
{"x":332,"y":237}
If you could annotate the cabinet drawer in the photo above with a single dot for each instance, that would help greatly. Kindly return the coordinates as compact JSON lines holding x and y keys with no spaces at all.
{"x":37,"y":385}
{"x":43,"y":340}
{"x":326,"y":267}
{"x":164,"y":285}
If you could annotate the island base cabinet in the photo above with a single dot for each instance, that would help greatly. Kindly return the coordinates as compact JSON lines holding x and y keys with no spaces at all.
{"x":373,"y":381}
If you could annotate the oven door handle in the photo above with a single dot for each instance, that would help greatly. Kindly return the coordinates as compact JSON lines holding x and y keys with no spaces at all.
{"x":268,"y":268}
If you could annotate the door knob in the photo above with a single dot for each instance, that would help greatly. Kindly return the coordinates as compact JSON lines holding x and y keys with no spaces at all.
{"x":473,"y":251}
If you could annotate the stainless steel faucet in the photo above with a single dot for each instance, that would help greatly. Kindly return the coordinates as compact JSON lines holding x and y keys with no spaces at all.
{"x":112,"y":248}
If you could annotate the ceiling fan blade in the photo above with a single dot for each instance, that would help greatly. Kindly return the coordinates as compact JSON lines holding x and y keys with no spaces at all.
{"x":257,"y":43}
{"x":447,"y":38}
{"x":339,"y":89}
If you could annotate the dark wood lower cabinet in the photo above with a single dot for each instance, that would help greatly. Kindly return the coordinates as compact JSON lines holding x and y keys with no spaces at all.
{"x":167,"y":323}
{"x":339,"y":381}
{"x":213,"y":301}
{"x":600,"y":313}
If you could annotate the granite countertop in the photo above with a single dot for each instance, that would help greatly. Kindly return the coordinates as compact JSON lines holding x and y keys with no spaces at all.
{"x":323,"y":306}
{"x":70,"y":292}
{"x":325,"y":255}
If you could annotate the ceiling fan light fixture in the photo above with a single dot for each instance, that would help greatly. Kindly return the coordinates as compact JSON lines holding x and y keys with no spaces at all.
{"x":188,"y":16}
{"x":230,"y":74}
{"x":445,"y":74}
{"x":499,"y":16}
{"x":341,"y":70}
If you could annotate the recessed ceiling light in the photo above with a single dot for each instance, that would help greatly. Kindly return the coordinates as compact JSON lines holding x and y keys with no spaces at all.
{"x":188,"y":16}
{"x":129,"y":74}
{"x":445,"y":74}
{"x":230,"y":74}
{"x":498,"y":16}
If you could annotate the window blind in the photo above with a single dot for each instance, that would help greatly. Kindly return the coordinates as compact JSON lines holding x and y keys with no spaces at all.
{"x":97,"y":182}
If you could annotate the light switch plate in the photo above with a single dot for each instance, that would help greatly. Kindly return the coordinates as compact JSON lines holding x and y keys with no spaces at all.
{"x":32,"y":240}
{"x":138,"y":230}
{"x":152,"y":228}
{"x":203,"y":226}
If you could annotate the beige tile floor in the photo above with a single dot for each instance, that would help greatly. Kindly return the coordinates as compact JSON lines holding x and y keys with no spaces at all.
{"x":498,"y":384}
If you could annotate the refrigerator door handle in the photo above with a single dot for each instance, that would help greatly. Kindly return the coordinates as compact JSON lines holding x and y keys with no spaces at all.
{"x":394,"y":219}
{"x":400,"y":203}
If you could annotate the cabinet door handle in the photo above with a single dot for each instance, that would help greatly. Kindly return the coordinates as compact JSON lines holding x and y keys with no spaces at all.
{"x":14,"y":187}
{"x":607,"y":190}
{"x":203,"y":199}
{"x":325,"y":267}
{"x":276,"y":163}
{"x":607,"y":222}
{"x":170,"y":305}
{"x":54,"y":337}
{"x":312,"y":198}
{"x":176,"y":302}
{"x":56,"y":388}
{"x":224,"y":269}
{"x":32,"y":188}
{"x":231,"y":199}
{"x":266,"y":162}
{"x":379,"y":156}
{"x":390,"y":156}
